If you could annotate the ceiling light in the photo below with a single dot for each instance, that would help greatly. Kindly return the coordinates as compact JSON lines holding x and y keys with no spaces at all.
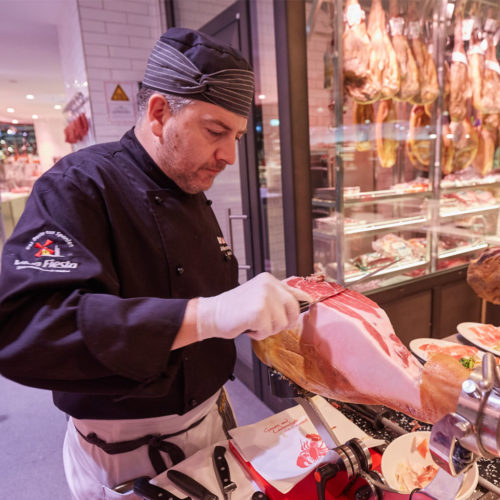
{"x":30,"y":96}
{"x":57,"y":106}
{"x":15,"y":121}
{"x":10,"y":110}
{"x":34,"y":117}
{"x":262,"y":96}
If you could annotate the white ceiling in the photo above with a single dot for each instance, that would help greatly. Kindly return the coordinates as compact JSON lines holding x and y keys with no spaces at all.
{"x":30,"y":62}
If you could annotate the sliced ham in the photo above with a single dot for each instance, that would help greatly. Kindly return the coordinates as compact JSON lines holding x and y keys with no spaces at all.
{"x":360,"y":59}
{"x":386,"y":68}
{"x":346,"y":349}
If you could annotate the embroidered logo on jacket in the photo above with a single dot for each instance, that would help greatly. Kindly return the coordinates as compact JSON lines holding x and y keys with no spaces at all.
{"x":49,"y":251}
{"x":224,"y":247}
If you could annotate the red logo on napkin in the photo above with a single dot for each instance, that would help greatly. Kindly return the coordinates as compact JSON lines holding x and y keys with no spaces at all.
{"x":311,"y":450}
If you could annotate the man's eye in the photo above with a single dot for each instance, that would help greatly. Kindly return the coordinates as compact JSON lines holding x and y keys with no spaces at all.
{"x":215,"y":133}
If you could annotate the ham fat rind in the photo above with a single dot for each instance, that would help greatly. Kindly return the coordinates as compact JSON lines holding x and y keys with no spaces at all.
{"x":346,"y":349}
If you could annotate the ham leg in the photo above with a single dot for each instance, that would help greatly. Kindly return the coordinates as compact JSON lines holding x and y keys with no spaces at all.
{"x":459,"y":79}
{"x":360,"y":59}
{"x":346,"y":349}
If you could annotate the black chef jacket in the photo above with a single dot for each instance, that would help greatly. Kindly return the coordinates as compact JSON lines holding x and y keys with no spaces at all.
{"x":94,"y":284}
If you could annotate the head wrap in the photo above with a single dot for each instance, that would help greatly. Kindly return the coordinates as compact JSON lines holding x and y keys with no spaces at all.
{"x":192,"y":64}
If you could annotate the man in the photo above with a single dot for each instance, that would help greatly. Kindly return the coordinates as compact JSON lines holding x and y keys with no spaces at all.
{"x":118,"y":291}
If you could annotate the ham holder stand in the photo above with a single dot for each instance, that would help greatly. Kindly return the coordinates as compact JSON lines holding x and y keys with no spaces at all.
{"x":456,"y":442}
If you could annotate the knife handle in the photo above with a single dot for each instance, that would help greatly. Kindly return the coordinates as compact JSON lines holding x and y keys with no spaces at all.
{"x":258,"y":495}
{"x":149,"y":491}
{"x":190,"y":485}
{"x":222,"y":467}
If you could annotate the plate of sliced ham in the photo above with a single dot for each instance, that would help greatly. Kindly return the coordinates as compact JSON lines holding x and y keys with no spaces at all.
{"x":468,"y":355}
{"x":484,"y":336}
{"x":407,"y":464}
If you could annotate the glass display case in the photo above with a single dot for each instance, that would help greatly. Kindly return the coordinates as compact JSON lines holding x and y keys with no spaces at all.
{"x":404,"y":112}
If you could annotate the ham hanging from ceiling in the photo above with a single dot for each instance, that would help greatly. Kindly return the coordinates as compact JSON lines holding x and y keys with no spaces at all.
{"x":386,"y":133}
{"x":408,"y":71}
{"x":346,"y":349}
{"x":363,"y":120}
{"x":491,"y":78}
{"x":419,"y":144}
{"x":466,"y":143}
{"x":360,"y":59}
{"x":386,"y":67}
{"x":427,"y":73}
{"x":460,"y":89}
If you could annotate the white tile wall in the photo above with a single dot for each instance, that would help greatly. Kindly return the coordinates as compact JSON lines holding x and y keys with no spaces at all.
{"x":117,"y":37}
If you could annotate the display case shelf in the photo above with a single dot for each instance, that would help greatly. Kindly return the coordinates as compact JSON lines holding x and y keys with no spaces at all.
{"x":401,"y":267}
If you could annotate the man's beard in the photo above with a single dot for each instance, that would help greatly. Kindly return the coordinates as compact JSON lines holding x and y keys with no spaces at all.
{"x":189,"y":177}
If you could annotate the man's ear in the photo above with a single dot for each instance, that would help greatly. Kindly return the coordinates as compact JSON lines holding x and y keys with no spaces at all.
{"x":158,"y":113}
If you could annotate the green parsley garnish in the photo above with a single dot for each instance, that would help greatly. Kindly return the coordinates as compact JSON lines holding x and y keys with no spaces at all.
{"x":468,"y":362}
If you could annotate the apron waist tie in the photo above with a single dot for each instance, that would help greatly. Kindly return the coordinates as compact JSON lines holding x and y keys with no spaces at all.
{"x":154,"y":442}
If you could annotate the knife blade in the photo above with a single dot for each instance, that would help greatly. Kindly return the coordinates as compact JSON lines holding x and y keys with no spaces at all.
{"x":222,"y":468}
{"x":190,"y":485}
{"x":304,"y":305}
{"x":149,"y":491}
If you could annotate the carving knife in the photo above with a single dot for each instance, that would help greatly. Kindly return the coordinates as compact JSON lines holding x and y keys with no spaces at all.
{"x":145,"y":489}
{"x":222,"y":468}
{"x":190,"y":485}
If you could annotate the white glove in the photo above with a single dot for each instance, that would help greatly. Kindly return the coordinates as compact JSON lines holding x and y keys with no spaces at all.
{"x":264,"y":305}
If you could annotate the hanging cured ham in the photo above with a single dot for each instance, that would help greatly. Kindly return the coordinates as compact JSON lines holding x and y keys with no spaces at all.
{"x":386,"y":67}
{"x":363,"y":119}
{"x":360,"y":59}
{"x":466,"y":143}
{"x":418,"y":144}
{"x":483,"y":162}
{"x":447,"y":150}
{"x":408,"y":71}
{"x":385,"y":133}
{"x":475,"y":58}
{"x":491,"y":79}
{"x":427,"y":74}
{"x":346,"y":349}
{"x":459,"y":79}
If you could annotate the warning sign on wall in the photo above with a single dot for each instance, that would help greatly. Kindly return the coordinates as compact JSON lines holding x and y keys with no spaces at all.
{"x":120,"y":101}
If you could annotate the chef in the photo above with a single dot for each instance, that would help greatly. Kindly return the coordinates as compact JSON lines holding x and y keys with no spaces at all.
{"x":118,"y":291}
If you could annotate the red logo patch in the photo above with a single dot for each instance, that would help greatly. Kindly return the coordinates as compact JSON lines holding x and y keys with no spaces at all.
{"x":44,"y":249}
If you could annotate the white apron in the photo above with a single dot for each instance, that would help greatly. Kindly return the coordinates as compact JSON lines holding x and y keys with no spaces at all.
{"x":91,"y":473}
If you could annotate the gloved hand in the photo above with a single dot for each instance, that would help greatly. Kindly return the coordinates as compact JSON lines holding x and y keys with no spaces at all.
{"x":264,"y":305}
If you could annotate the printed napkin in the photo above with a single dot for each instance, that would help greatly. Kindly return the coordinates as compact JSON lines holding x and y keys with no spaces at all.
{"x":284,"y":448}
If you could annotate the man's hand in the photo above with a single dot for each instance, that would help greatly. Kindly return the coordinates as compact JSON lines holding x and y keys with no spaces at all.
{"x":263,"y":306}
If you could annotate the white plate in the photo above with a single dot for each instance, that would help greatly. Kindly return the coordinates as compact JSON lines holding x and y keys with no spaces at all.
{"x":423,"y":347}
{"x":402,"y":450}
{"x":484,"y":336}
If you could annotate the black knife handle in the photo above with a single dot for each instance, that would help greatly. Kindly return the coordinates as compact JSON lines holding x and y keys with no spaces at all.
{"x":222,"y":468}
{"x":258,"y":495}
{"x":190,"y":485}
{"x":149,"y":491}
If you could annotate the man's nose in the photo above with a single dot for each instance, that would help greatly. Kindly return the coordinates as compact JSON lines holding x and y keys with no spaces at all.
{"x":226,"y":151}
